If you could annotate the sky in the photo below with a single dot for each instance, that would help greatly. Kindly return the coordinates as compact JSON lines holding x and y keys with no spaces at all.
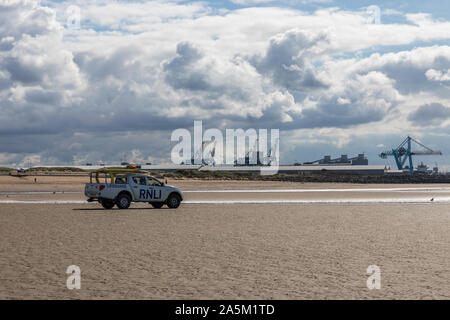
{"x":109,"y":81}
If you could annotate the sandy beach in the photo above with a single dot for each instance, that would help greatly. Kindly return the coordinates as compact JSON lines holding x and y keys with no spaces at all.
{"x":207,"y":249}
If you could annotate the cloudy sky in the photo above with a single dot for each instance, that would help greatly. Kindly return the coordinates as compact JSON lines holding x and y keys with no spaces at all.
{"x":334,"y":76}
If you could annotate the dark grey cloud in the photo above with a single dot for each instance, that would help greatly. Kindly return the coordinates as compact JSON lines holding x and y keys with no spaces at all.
{"x":430,"y":114}
{"x":409,"y":69}
{"x":22,"y":72}
{"x":6,"y":43}
{"x":124,"y":63}
{"x":109,"y":146}
{"x":82,"y":147}
{"x":287,"y":60}
{"x":44,"y":97}
{"x":331,"y":114}
{"x":364,"y":99}
{"x":180,"y":71}
{"x":410,"y":77}
{"x":213,"y":84}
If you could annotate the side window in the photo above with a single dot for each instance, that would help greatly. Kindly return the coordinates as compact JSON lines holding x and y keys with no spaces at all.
{"x":153,"y":182}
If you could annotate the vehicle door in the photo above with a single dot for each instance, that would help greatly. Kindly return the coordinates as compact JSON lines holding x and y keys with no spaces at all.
{"x":158,"y":190}
{"x":139,"y":187}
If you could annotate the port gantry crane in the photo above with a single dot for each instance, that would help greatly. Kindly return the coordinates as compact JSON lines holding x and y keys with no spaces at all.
{"x":404,"y":152}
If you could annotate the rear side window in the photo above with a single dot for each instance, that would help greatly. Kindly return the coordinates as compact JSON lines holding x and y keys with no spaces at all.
{"x":121,"y":180}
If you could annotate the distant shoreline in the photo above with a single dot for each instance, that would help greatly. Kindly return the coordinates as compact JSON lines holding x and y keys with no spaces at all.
{"x":320,"y":177}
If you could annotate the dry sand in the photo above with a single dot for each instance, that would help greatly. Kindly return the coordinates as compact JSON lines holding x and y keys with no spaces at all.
{"x":212,"y":251}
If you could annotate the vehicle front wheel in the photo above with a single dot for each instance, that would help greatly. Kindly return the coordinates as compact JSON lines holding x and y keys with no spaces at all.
{"x":157,"y":205}
{"x":173,"y":201}
{"x":123,"y":201}
{"x":107,"y":204}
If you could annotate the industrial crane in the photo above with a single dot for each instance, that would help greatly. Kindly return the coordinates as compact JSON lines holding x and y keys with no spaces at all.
{"x":200,"y":154}
{"x":404,"y":152}
{"x":261,"y":159}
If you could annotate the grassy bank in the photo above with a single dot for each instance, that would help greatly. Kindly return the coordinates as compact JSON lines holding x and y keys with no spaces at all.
{"x":256,"y":176}
{"x":313,"y":177}
{"x":55,"y":169}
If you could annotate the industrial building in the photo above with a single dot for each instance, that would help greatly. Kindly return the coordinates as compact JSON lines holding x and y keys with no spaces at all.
{"x":359,"y":160}
{"x":305,"y":169}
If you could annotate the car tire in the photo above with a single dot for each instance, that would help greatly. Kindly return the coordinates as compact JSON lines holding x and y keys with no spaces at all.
{"x":173,"y":201}
{"x":123,"y":201}
{"x":107,"y":204}
{"x":157,"y":205}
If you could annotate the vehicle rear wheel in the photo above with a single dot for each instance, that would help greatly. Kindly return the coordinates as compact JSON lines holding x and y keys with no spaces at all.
{"x":107,"y":204}
{"x":157,"y":205}
{"x":123,"y":201}
{"x":173,"y":201}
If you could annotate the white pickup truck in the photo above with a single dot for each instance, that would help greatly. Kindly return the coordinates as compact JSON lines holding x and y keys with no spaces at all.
{"x":123,"y":186}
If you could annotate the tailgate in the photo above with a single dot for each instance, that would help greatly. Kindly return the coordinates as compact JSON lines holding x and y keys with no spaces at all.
{"x":92,"y":190}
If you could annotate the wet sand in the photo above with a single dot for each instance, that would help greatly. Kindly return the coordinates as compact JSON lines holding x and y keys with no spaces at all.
{"x":217,"y":251}
{"x":76,"y":183}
